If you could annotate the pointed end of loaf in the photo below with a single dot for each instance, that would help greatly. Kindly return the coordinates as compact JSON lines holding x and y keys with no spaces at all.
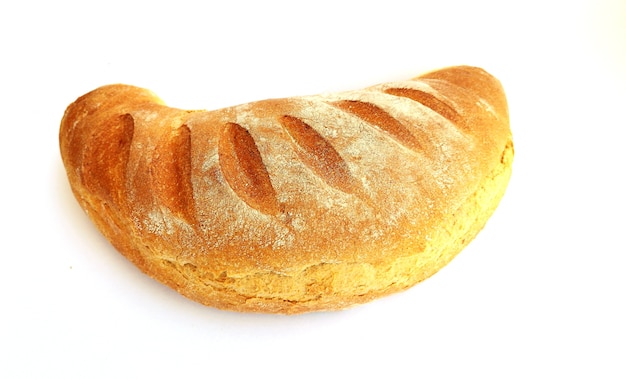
{"x":476,"y":80}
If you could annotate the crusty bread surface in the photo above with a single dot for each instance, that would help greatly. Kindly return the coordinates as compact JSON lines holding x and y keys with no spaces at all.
{"x":298,"y":204}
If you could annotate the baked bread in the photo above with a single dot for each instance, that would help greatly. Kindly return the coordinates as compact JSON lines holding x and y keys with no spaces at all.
{"x":293,"y":205}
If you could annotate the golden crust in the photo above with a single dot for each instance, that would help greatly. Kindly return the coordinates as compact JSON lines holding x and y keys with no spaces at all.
{"x":298,"y":204}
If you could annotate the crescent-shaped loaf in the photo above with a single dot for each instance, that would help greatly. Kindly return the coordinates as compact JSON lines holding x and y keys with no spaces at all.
{"x":298,"y":204}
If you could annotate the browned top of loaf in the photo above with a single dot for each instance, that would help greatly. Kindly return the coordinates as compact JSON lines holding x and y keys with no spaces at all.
{"x":283,"y":184}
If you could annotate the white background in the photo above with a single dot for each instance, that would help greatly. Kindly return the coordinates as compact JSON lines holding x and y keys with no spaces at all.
{"x":539,"y":294}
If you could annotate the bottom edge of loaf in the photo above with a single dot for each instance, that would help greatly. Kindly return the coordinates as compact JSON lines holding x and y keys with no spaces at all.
{"x":324,"y":286}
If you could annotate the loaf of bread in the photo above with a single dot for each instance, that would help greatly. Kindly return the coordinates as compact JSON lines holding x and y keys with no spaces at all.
{"x":298,"y":204}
